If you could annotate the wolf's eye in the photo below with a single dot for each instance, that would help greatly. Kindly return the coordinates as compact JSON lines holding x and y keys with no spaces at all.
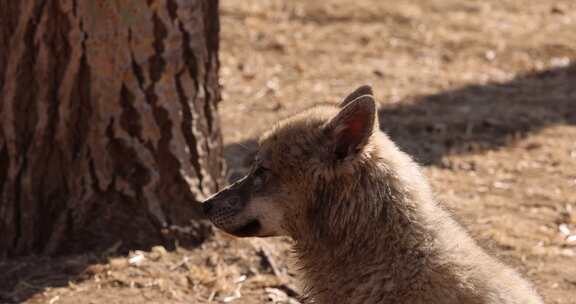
{"x":260,"y":170}
{"x":259,"y":177}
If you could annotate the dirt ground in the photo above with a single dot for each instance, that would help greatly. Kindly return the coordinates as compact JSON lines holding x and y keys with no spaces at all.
{"x":482,"y":93}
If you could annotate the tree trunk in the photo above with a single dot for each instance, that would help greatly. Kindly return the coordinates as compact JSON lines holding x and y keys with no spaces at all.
{"x":108,"y":123}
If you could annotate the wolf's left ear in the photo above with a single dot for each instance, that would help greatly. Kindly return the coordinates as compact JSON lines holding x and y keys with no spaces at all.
{"x":352,"y":127}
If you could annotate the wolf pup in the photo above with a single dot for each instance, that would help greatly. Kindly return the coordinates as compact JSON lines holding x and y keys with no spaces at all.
{"x":365,"y":223}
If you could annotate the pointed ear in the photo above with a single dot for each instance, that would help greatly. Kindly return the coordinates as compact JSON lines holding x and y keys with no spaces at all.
{"x":352,"y":127}
{"x":360,"y":91}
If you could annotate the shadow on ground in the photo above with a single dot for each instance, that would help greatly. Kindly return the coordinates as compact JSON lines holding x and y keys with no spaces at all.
{"x":24,"y":277}
{"x":470,"y":119}
{"x":482,"y":117}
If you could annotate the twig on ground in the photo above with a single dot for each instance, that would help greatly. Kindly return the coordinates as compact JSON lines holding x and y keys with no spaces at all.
{"x":268,"y":261}
{"x":183,"y":262}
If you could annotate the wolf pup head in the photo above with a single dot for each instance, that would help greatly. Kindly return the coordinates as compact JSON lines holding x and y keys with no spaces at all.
{"x":295,"y":160}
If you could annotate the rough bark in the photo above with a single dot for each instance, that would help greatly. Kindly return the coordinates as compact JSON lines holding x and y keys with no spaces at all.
{"x":108,"y":123}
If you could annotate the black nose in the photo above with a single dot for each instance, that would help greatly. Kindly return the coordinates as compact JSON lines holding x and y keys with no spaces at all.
{"x":206,"y":207}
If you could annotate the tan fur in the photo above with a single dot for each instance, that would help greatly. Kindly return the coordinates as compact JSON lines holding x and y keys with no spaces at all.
{"x":366,"y":228}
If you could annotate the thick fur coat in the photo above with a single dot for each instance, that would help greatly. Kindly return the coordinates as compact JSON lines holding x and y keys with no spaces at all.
{"x":366,"y":226}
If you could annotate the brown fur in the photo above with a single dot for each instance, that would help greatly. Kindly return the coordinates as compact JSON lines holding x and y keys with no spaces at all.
{"x":365,"y":223}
